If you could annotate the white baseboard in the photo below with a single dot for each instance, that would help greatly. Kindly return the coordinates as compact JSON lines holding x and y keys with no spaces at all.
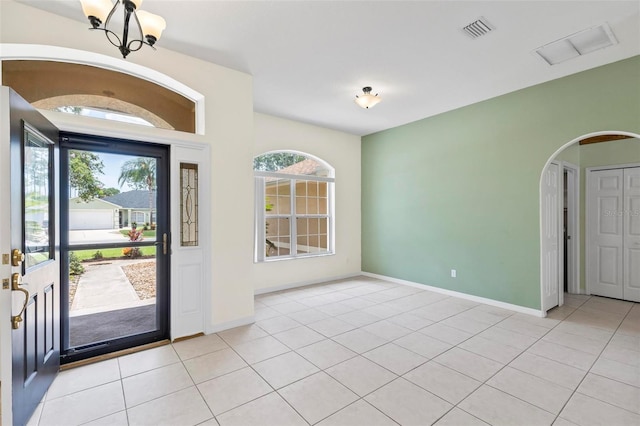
{"x":304,"y":283}
{"x":496,"y":303}
{"x":214,"y":328}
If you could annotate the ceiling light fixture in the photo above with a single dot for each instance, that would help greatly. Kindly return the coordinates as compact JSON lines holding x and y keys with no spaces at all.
{"x":367,"y":100}
{"x":149,"y":26}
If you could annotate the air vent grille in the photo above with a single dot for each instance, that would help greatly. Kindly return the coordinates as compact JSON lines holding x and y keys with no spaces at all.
{"x":478,"y":28}
{"x":578,"y":44}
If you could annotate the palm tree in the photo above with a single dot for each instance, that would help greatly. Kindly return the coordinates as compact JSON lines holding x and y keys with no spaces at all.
{"x":140,"y":173}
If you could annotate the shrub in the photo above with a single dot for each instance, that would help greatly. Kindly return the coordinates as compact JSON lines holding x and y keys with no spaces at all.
{"x":97,"y":255}
{"x":75,"y":266}
{"x":131,"y":252}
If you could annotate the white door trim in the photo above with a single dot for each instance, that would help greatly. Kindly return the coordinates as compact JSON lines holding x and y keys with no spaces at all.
{"x":6,"y":374}
{"x":588,"y":195}
{"x":541,"y":180}
{"x":551,"y":280}
{"x":573,"y":228}
{"x":180,"y":143}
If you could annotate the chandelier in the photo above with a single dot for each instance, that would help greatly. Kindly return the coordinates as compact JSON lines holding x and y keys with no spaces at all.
{"x":149,"y":26}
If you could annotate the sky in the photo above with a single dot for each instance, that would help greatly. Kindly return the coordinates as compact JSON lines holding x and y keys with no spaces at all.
{"x":112,"y":165}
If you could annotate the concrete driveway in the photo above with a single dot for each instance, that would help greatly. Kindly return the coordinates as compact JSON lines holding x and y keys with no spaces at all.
{"x":91,"y":236}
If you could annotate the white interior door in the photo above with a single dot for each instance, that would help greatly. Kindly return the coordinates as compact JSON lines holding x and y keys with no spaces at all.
{"x":551,"y":231}
{"x":605,"y":233}
{"x":631,"y":230}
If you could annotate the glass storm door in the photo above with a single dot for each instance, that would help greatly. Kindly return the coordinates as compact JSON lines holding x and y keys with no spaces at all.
{"x":115,"y":244}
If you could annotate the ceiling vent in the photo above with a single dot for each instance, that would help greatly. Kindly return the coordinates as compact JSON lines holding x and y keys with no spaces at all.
{"x":577,"y":44}
{"x":478,"y":28}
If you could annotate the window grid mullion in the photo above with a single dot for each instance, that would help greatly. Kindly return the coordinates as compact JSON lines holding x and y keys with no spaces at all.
{"x":292,"y":222}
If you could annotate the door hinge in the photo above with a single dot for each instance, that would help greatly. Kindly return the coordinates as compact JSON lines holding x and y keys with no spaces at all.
{"x":6,"y":258}
{"x":5,"y":283}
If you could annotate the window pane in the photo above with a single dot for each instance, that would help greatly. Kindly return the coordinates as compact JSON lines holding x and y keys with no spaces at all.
{"x":301,"y":225}
{"x":323,"y":207}
{"x":271,"y":189}
{"x":301,"y":205}
{"x":313,"y":226}
{"x":284,"y":228}
{"x":284,"y":204}
{"x":301,"y":188}
{"x":322,"y":189}
{"x":323,"y":225}
{"x":271,"y":225}
{"x":303,"y":244}
{"x":312,"y":188}
{"x":37,"y":167}
{"x":188,"y":204}
{"x":312,"y":205}
{"x":277,"y":237}
{"x":284,"y":187}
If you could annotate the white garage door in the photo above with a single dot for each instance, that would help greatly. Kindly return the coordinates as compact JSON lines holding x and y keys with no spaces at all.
{"x":90,"y":219}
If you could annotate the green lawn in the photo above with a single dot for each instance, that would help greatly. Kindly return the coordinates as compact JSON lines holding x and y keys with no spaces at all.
{"x":113,"y":253}
{"x":146,"y":234}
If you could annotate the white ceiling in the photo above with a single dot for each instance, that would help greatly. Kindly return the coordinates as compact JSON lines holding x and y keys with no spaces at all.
{"x":310,"y":58}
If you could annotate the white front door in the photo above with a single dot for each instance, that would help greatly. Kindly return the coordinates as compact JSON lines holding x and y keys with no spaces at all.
{"x":631,"y":229}
{"x":605,"y":212}
{"x":551,"y":236}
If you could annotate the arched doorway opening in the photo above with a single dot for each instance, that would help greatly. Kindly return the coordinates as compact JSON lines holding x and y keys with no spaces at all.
{"x":562,"y":186}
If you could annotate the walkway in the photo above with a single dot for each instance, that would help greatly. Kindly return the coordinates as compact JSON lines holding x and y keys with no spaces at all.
{"x":105,"y":287}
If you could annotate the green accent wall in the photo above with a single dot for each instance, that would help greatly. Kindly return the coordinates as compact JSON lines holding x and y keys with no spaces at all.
{"x":460,"y":190}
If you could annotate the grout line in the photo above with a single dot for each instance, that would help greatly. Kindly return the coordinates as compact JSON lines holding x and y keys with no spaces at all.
{"x":403,"y":311}
{"x":592,"y":364}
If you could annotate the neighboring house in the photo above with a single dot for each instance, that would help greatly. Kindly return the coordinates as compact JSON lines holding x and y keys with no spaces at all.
{"x":116,"y":211}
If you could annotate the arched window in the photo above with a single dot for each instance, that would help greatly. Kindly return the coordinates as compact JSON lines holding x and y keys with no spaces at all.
{"x":100,"y":93}
{"x":294,"y":206}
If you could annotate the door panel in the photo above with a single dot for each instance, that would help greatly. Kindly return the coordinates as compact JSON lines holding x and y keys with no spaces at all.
{"x":551,"y":242}
{"x":631,"y":218}
{"x":605,"y":233}
{"x":34,"y":231}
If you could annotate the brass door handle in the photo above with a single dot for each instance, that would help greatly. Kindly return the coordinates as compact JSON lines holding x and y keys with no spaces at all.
{"x":16,"y":320}
{"x":164,"y":243}
{"x":17,"y":257}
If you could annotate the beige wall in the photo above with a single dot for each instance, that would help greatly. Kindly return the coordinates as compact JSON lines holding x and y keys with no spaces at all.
{"x":228,"y":131}
{"x":341,"y":151}
{"x":235,"y":134}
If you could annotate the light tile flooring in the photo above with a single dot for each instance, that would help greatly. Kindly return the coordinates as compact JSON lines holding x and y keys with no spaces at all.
{"x":368,"y":352}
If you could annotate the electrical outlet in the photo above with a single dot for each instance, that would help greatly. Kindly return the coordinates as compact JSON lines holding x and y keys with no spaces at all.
{"x":453,"y":273}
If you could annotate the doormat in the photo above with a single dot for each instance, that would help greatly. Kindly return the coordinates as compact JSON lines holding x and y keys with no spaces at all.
{"x":92,"y":328}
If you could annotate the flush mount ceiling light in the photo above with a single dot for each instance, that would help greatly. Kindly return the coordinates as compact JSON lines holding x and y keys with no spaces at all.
{"x":577,"y":44}
{"x":367,"y":100}
{"x":149,"y":26}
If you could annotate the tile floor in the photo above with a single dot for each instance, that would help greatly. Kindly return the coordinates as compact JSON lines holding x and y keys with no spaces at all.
{"x":368,"y":352}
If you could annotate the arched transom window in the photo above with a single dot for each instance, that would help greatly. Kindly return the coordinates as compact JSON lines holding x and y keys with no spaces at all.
{"x":294,"y":206}
{"x":98,"y":92}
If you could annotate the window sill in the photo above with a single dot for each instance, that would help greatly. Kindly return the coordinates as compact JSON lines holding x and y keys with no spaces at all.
{"x":282,"y":258}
